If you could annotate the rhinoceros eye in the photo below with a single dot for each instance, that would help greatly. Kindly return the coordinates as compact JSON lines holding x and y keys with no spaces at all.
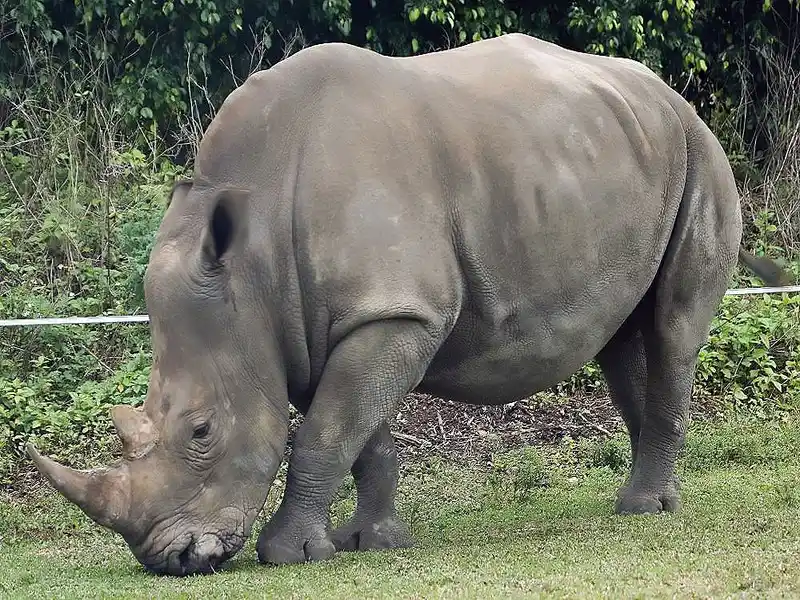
{"x":200,"y":431}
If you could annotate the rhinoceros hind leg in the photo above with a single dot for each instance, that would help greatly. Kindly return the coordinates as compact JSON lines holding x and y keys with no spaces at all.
{"x":652,"y":384}
{"x":633,"y":502}
{"x":624,"y":365}
{"x":375,"y":524}
{"x":675,"y":319}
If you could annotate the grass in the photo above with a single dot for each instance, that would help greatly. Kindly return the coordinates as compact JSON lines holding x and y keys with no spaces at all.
{"x":536,"y":522}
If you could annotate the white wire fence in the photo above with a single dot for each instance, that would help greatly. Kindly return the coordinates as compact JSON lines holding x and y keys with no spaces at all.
{"x":789,"y":289}
{"x":105,"y":319}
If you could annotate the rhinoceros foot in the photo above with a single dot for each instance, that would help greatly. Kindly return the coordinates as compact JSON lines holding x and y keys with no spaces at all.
{"x":383,"y":534}
{"x":632,"y":501}
{"x":283,"y":545}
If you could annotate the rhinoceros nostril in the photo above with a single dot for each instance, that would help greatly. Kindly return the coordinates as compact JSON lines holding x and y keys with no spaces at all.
{"x":201,"y":555}
{"x":186,"y":558}
{"x":192,"y":555}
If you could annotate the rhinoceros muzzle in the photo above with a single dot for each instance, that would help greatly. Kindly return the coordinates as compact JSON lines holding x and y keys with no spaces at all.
{"x":191,"y":555}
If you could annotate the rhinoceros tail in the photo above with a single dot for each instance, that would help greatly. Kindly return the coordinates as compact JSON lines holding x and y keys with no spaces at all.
{"x":765,"y":268}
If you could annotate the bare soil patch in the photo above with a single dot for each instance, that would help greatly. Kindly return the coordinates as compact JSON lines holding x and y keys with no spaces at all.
{"x":426,"y":424}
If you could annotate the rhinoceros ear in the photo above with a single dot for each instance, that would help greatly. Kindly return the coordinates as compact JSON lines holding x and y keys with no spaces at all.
{"x":227,"y":226}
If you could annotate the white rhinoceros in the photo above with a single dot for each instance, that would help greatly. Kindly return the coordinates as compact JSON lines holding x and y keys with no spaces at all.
{"x":476,"y":223}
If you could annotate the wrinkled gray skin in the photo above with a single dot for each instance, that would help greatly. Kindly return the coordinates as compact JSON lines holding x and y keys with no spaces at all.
{"x":476,"y":224}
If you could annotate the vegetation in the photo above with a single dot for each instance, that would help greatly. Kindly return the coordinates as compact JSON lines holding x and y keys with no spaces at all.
{"x":102,"y":103}
{"x":530,"y":524}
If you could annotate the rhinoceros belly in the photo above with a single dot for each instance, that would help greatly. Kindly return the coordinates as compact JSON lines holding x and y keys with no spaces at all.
{"x":520,"y":350}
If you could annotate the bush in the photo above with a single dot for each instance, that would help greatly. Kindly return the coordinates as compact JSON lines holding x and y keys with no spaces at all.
{"x":79,"y":207}
{"x":71,"y":427}
{"x":752,"y":359}
{"x":163,"y":66}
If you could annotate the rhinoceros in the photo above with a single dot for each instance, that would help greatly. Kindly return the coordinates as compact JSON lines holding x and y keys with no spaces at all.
{"x":475,"y":223}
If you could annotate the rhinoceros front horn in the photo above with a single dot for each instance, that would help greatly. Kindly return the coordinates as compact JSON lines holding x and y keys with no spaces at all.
{"x":103,"y":494}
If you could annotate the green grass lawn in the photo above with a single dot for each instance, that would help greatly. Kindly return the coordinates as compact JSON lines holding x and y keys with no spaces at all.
{"x":537,"y":523}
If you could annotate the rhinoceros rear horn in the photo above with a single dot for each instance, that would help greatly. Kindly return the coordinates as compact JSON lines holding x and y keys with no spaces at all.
{"x":103,"y":494}
{"x":135,"y":429}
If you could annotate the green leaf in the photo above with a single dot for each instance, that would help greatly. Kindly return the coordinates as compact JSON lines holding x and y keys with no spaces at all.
{"x":413,"y":15}
{"x":665,"y":15}
{"x":414,"y":45}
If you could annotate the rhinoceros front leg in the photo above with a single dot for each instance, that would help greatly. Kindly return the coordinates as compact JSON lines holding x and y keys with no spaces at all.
{"x":365,"y":377}
{"x":375,"y":524}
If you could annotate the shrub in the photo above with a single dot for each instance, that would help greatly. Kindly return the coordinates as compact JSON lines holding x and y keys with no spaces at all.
{"x":523,"y":470}
{"x":159,"y":64}
{"x":752,"y":359}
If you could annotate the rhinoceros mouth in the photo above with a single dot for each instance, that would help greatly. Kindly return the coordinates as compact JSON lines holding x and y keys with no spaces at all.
{"x":194,"y":554}
{"x":184,"y":545}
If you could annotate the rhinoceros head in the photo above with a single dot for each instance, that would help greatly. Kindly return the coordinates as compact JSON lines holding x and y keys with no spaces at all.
{"x":199,"y":456}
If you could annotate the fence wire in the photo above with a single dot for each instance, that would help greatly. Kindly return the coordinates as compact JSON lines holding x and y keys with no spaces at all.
{"x":106,"y":319}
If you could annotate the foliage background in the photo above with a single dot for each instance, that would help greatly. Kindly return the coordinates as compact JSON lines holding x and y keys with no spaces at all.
{"x":102,"y":103}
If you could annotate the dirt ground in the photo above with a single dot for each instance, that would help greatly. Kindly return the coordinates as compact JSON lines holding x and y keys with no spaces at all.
{"x":425,"y":425}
